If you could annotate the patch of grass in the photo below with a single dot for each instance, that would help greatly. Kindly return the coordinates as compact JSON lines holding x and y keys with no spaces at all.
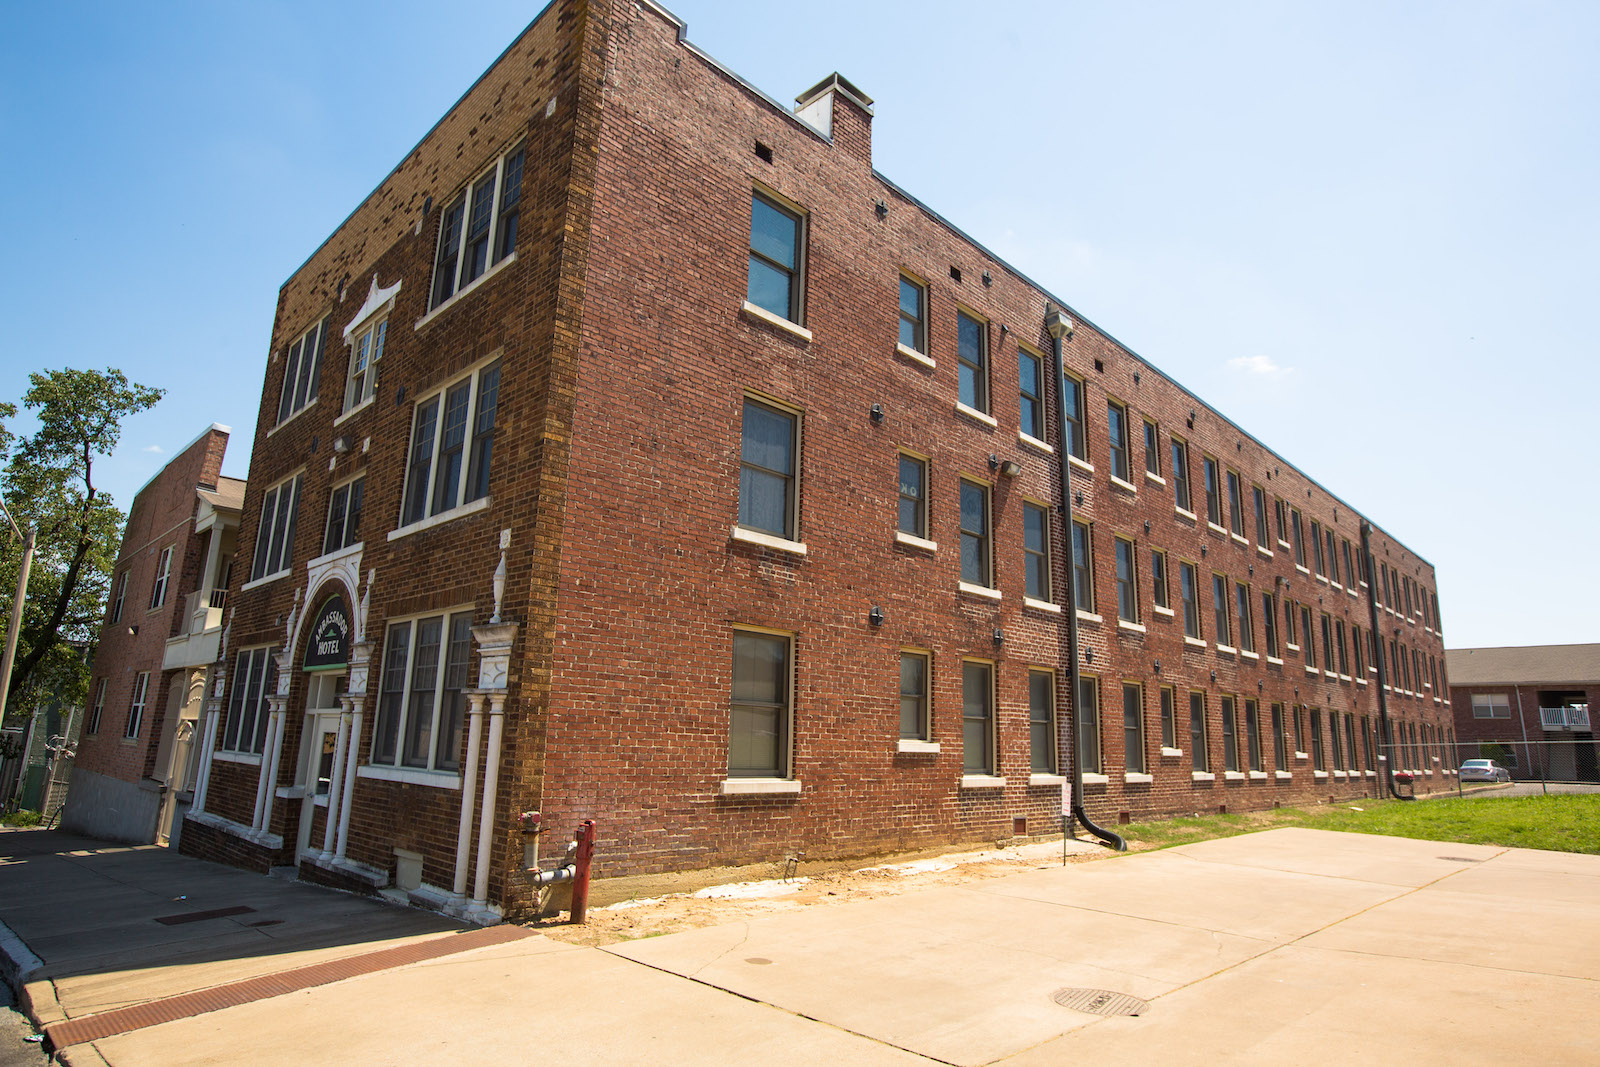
{"x":1560,"y":823}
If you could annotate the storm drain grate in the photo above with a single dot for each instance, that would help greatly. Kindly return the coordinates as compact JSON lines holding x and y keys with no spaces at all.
{"x":1099,"y":1001}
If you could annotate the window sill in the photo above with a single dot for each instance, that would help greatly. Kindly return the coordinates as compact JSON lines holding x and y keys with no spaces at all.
{"x":1258,"y":776}
{"x":1319,"y":775}
{"x":1301,"y":755}
{"x":292,"y":416}
{"x":1047,"y":779}
{"x":1089,"y":616}
{"x":1215,"y":528}
{"x":469,"y":508}
{"x":1322,"y":579}
{"x":912,"y":354}
{"x":982,"y":781}
{"x":903,"y":538}
{"x":1247,"y":654}
{"x":1091,"y":778}
{"x":1312,"y":670}
{"x":257,"y":583}
{"x":1233,"y":776}
{"x":1165,"y":612}
{"x":1185,"y":513}
{"x":1340,"y":774}
{"x":1245,"y":541}
{"x":1361,"y":681}
{"x":1136,"y":627}
{"x":1263,"y":551}
{"x":761,"y":314}
{"x":1291,"y":646}
{"x":1165,"y":751}
{"x":1352,"y":592}
{"x":1282,"y":775}
{"x":1151,"y":476}
{"x":759,"y":786}
{"x":1193,"y":642}
{"x":911,"y":744}
{"x":766,"y":540}
{"x":1033,"y":442}
{"x":976,"y":416}
{"x":1227,"y":648}
{"x":1041,"y":605}
{"x":1202,"y":776}
{"x":980,"y":590}
{"x":1372,"y":774}
{"x":1301,"y":567}
{"x":409,"y":775}
{"x":1082,"y":464}
{"x":1337,"y":586}
{"x":1274,"y":661}
{"x":246,"y":758}
{"x":464,"y":292}
{"x":1138,"y":778}
{"x":358,"y":409}
{"x":1118,"y":483}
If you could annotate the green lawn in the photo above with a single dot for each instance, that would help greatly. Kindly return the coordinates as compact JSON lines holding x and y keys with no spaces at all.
{"x":1569,"y":823}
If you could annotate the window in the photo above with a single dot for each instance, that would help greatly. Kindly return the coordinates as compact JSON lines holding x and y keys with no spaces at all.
{"x":1180,"y":474}
{"x":1158,"y":577}
{"x":1279,"y":512}
{"x":1433,"y":598}
{"x":1220,"y":610}
{"x":1339,"y":645}
{"x":913,"y":495}
{"x":1169,"y":714}
{"x":1309,"y":635}
{"x":1030,"y":376}
{"x":1082,"y":569}
{"x":473,"y":237}
{"x":914,"y":696}
{"x":141,"y":691}
{"x":1213,"y":492}
{"x":1235,"y":504}
{"x":1258,"y":497}
{"x":302,"y":371}
{"x":1333,"y":558}
{"x":1356,"y":643}
{"x":1350,"y":739}
{"x":99,"y":708}
{"x":1299,"y":543}
{"x":1316,"y":740}
{"x":1127,"y":583}
{"x":1279,"y":754}
{"x":1252,"y":735}
{"x":972,"y":357}
{"x":1349,"y":566}
{"x":365,"y":352}
{"x":977,"y":717}
{"x":423,"y":700}
{"x":118,"y":596}
{"x":1117,"y":428}
{"x":1230,"y":737}
{"x":1152,"y":449}
{"x":1269,"y":624}
{"x":1088,"y":725}
{"x":758,"y":728}
{"x":1077,"y":440}
{"x":1197,"y":731}
{"x":344,"y":516}
{"x":255,"y":677}
{"x":1333,"y":740}
{"x":450,"y":426}
{"x":1241,"y":600}
{"x":775,"y":271}
{"x":1316,"y":547}
{"x":1288,"y":625}
{"x":1036,"y":550}
{"x":1189,"y":590}
{"x":1299,"y":728}
{"x":1042,"y":721}
{"x":1133,"y":727}
{"x":1327,"y":643}
{"x":913,"y":314}
{"x":158,"y":591}
{"x":975,"y":558}
{"x":280,"y":506}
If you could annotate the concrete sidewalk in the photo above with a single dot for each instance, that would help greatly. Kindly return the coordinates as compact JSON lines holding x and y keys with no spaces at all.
{"x":1284,"y":946}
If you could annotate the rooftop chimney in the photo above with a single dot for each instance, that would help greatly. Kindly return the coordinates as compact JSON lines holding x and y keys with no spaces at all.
{"x":842,"y":112}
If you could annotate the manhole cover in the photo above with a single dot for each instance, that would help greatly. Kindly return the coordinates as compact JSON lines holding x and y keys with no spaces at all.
{"x":1098,"y":1001}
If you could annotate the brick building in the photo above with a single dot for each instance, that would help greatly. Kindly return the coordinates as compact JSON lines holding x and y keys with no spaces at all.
{"x":1529,"y":708}
{"x":655,"y":460}
{"x":136,"y":758}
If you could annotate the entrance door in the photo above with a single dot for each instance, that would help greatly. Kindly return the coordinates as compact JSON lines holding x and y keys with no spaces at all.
{"x":319,"y":740}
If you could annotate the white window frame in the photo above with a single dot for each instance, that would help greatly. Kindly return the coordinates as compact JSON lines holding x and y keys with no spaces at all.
{"x":255,"y":691}
{"x":267,"y":528}
{"x":495,"y":255}
{"x":302,"y":376}
{"x":137,"y":702}
{"x":361,"y":376}
{"x":158,"y":588}
{"x":431,"y":765}
{"x":1493,"y":703}
{"x":119,"y":596}
{"x":346,"y":487}
{"x":432,"y":509}
{"x":93,"y":725}
{"x":789,"y":537}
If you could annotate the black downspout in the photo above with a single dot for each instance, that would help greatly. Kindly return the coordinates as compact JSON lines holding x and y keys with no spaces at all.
{"x":1371,"y":567}
{"x":1060,"y":327}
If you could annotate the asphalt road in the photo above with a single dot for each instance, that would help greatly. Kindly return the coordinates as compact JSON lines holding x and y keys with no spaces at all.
{"x":1532,"y":789}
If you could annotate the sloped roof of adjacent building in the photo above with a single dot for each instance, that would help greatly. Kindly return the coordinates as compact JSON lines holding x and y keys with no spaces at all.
{"x":228,"y":495}
{"x":1525,"y":664}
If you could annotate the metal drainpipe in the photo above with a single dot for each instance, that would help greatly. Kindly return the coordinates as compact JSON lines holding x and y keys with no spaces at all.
{"x":1377,"y":659}
{"x":1060,"y":328}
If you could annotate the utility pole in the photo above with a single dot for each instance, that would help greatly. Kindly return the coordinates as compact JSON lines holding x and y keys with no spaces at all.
{"x":15,"y":630}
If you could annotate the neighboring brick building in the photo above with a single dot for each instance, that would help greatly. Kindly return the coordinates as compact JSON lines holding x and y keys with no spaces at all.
{"x":619,"y":337}
{"x":136,"y":759}
{"x":1529,"y":707}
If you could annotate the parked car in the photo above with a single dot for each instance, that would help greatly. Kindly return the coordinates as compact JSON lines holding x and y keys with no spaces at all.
{"x":1483,"y":770}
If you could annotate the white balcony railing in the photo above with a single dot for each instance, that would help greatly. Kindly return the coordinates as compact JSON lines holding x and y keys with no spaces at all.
{"x":1568,"y":718}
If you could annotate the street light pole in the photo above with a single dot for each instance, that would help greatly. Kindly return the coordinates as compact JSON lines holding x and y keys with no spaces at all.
{"x":15,"y":630}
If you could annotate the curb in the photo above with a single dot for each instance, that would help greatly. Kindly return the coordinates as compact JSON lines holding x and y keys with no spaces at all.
{"x":18,"y":964}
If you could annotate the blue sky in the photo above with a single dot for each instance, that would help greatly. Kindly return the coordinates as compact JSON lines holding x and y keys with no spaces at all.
{"x":1364,"y":231}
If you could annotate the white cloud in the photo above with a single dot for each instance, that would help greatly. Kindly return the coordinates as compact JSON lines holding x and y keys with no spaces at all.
{"x":156,"y":449}
{"x":1261,"y":365}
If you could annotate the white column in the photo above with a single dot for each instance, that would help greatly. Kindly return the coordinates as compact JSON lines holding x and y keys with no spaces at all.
{"x":263,"y":782}
{"x":469,"y":791}
{"x":353,"y":750}
{"x":330,"y":829}
{"x":208,"y":740}
{"x":275,"y":751}
{"x":491,"y":781}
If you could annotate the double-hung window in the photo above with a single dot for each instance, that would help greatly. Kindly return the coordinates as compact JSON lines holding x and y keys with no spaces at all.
{"x":1247,"y":639}
{"x":1169,"y":725}
{"x":1259,"y":496}
{"x":1280,"y":754}
{"x":1235,"y":504}
{"x":1299,"y":541}
{"x":1333,"y":740}
{"x":1316,"y":740}
{"x":776,"y":250}
{"x":1269,"y":624}
{"x":1220,"y":610}
{"x":1252,"y":734}
{"x":280,"y":507}
{"x":1333,"y":557}
{"x":976,"y":561}
{"x":1030,"y":376}
{"x":1117,"y":429}
{"x":365,"y":352}
{"x":141,"y":693}
{"x":1318,"y":565}
{"x":1082,"y":569}
{"x":423,"y":700}
{"x":118,"y":595}
{"x":1158,"y":577}
{"x":99,"y":708}
{"x":1213,"y":491}
{"x":1127,"y":582}
{"x":1180,"y":474}
{"x":1280,"y":513}
{"x":1088,"y":725}
{"x":1152,"y":449}
{"x":1349,"y":566}
{"x":1036,"y":550}
{"x":1133,"y":727}
{"x":479,"y":228}
{"x":1491,"y":706}
{"x":913,"y":315}
{"x":1072,"y":399}
{"x":1199,"y":758}
{"x":913,"y":518}
{"x":302,"y":371}
{"x":1308,"y":636}
{"x":1189,"y":590}
{"x":1042,"y":722}
{"x":914,"y":696}
{"x":344,"y":515}
{"x":255,"y":678}
{"x":977,"y":717}
{"x":769,"y":448}
{"x":1230,"y":737}
{"x":972,"y":357}
{"x":158,"y":591}
{"x":452,"y":439}
{"x":760,"y":714}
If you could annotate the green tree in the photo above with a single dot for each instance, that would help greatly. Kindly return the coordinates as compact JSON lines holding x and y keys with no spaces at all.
{"x":48,"y":483}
